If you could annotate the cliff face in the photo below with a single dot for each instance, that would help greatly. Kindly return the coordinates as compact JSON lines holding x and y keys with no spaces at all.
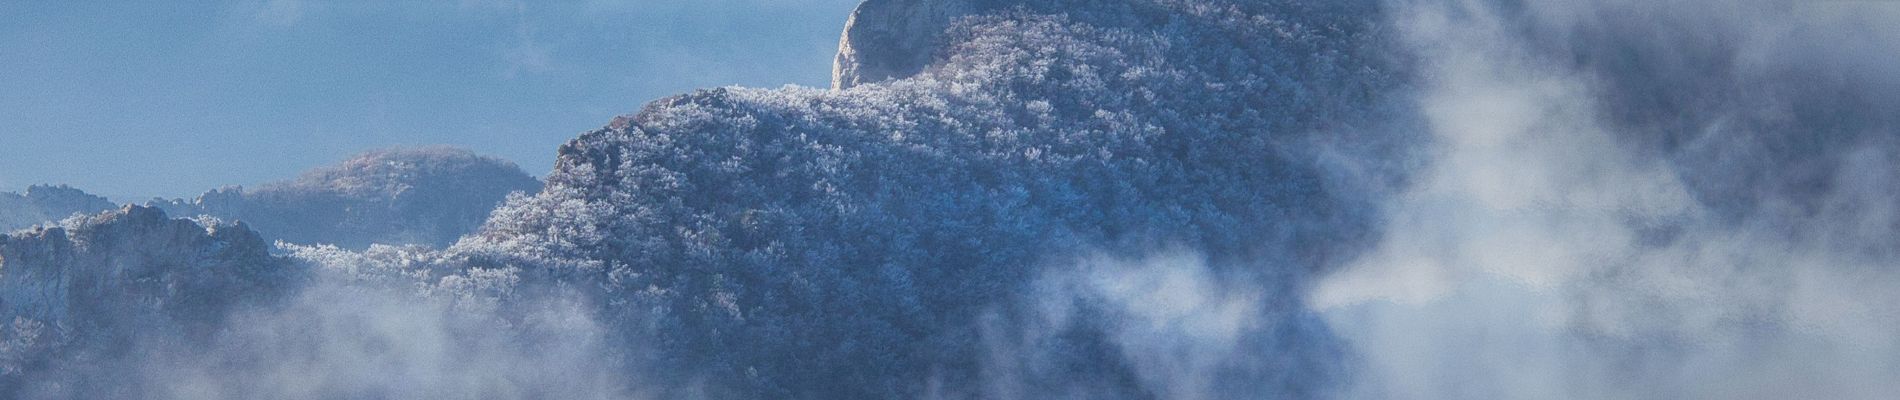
{"x":894,"y":39}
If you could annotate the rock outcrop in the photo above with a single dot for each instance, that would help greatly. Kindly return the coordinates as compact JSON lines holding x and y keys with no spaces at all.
{"x":895,"y":39}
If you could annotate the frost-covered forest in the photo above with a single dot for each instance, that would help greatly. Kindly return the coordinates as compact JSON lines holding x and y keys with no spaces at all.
{"x":1028,"y":199}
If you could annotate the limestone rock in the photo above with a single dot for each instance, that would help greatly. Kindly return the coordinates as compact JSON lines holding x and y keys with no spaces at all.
{"x":894,"y":39}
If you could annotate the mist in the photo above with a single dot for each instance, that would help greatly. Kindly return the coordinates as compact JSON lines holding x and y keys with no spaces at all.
{"x":208,"y":313}
{"x":1636,"y":200}
{"x":376,"y":325}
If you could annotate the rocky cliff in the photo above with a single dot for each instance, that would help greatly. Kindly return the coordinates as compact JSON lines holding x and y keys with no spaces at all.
{"x":894,"y":39}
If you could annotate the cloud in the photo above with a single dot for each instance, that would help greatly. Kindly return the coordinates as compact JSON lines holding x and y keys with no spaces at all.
{"x":524,"y":54}
{"x":278,"y":13}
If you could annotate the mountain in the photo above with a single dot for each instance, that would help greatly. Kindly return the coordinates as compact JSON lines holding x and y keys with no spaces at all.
{"x":422,"y":196}
{"x":884,"y":239}
{"x":1114,"y":199}
{"x":46,"y":204}
{"x":80,"y":296}
{"x":133,"y":304}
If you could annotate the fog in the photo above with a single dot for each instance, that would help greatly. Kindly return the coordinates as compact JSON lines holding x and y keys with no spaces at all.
{"x":1635,"y":200}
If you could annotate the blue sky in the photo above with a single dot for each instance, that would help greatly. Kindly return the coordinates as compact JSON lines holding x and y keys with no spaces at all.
{"x":140,"y":99}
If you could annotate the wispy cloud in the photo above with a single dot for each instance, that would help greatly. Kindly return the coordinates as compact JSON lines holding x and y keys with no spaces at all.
{"x":525,"y":56}
{"x":279,"y":13}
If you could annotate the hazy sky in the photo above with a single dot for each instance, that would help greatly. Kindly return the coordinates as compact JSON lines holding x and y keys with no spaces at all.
{"x":139,"y":99}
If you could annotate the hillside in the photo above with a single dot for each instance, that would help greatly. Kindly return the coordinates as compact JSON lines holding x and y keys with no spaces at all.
{"x":403,"y":196}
